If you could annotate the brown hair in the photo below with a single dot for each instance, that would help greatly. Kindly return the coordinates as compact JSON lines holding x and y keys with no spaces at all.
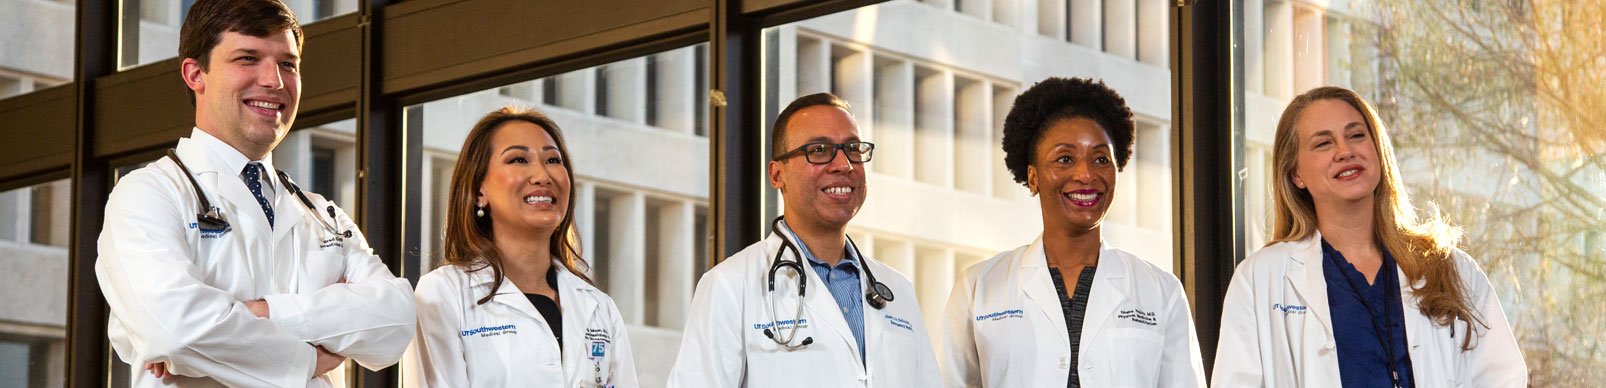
{"x":208,"y":19}
{"x":468,"y":240}
{"x":778,"y":131}
{"x":1421,"y":247}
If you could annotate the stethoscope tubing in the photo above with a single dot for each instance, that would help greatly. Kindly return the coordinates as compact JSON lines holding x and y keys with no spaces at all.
{"x":877,"y":296}
{"x":209,"y":214}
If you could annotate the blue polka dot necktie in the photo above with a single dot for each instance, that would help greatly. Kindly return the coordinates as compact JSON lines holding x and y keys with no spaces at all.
{"x":253,"y":180}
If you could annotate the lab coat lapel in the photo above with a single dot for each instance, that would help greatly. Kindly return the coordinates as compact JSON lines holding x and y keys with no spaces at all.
{"x":1035,"y":279}
{"x":223,"y":182}
{"x":508,"y":295}
{"x":822,"y":311}
{"x":1105,"y":295}
{"x":226,"y":188}
{"x":578,"y":313}
{"x":1305,"y":276}
{"x":239,"y":205}
{"x":1416,"y":324}
{"x":229,"y":193}
{"x":875,"y":321}
{"x":288,"y":212}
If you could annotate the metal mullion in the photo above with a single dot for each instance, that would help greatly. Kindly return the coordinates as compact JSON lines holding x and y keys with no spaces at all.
{"x":95,"y":51}
{"x":1209,"y":233}
{"x":382,"y":163}
{"x":735,"y":130}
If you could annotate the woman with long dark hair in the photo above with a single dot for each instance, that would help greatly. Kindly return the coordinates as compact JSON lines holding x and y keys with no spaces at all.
{"x":512,"y":306}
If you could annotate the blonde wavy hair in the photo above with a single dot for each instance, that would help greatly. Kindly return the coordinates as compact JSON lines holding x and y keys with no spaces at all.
{"x":1422,"y":247}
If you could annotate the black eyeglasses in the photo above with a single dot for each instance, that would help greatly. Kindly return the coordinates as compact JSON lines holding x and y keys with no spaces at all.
{"x":822,"y":153}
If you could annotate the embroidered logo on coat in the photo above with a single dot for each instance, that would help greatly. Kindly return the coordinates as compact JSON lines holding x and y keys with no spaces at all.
{"x":782,"y":325}
{"x":491,"y":331}
{"x":1288,"y":309}
{"x":210,"y":233}
{"x":1001,"y":315}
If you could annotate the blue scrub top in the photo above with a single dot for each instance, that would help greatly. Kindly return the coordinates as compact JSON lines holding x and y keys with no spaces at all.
{"x":1362,"y":357}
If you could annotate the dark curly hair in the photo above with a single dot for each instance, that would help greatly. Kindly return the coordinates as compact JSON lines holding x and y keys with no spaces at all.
{"x":1056,"y":99}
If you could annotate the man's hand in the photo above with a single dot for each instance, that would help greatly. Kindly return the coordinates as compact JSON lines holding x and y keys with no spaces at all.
{"x":327,"y":361}
{"x":258,"y":307}
{"x":157,"y":369}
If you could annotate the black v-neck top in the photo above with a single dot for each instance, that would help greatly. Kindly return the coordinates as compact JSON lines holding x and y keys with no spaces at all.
{"x":549,"y":308}
{"x":1075,"y":308}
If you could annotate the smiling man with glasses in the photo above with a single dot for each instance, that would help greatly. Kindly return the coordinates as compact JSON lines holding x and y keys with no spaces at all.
{"x":804,"y":307}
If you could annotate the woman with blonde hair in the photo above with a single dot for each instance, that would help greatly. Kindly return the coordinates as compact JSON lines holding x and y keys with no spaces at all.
{"x":513,"y":306}
{"x":1355,"y":289}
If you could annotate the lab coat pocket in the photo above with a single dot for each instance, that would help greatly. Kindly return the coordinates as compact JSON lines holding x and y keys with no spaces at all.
{"x":324,"y":268}
{"x":216,"y":255}
{"x":1002,"y":332}
{"x":325,"y":257}
{"x":897,"y":355}
{"x":1135,"y":357}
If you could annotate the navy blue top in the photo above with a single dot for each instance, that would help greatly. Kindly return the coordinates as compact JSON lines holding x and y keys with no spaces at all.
{"x":1360,"y":311}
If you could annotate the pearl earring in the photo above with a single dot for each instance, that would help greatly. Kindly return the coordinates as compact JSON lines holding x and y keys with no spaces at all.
{"x":480,"y":212}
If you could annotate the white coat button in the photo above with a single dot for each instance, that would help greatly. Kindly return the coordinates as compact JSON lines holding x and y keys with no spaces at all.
{"x":1065,"y":362}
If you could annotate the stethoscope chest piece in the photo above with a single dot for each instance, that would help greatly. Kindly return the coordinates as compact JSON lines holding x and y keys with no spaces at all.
{"x":879,"y":295}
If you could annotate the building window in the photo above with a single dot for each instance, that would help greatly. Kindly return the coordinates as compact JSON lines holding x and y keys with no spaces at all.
{"x":323,"y":171}
{"x":51,"y":214}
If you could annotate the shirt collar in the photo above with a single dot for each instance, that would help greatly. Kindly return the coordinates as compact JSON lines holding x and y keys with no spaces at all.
{"x":232,"y":160}
{"x":803,"y":249}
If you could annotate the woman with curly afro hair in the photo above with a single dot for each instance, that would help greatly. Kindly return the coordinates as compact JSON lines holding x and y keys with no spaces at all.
{"x":1069,"y":310}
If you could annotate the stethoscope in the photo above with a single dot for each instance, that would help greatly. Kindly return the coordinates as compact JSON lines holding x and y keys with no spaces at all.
{"x":878,"y":295}
{"x":208,"y":217}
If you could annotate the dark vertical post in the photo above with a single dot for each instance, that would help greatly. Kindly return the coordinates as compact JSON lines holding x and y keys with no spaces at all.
{"x":95,"y":50}
{"x":381,"y":162}
{"x":1209,"y":238}
{"x":412,"y":126}
{"x":735,"y":129}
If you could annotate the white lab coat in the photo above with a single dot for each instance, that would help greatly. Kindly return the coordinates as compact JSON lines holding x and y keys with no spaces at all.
{"x":725,"y":346}
{"x":176,"y":292}
{"x":1277,"y":330}
{"x":1004,"y":326}
{"x":506,"y":342}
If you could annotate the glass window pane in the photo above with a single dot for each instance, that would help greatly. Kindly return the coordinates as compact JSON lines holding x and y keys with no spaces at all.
{"x":1494,"y":112}
{"x":36,"y":45}
{"x":636,"y":135}
{"x":322,"y":160}
{"x":933,"y":100}
{"x":33,"y":304}
{"x":156,"y":36}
